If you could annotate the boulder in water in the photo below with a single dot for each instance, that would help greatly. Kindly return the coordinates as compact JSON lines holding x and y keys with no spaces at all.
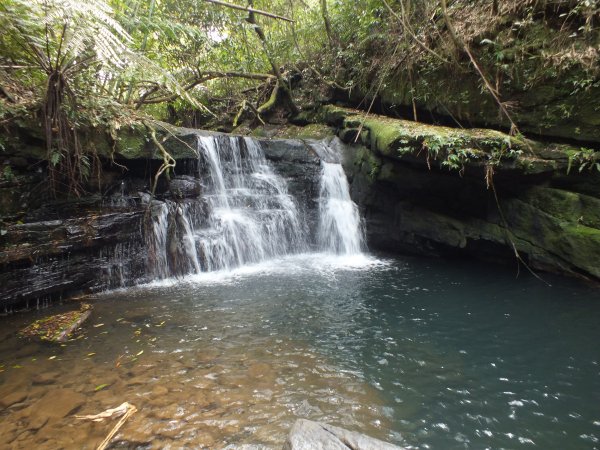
{"x":309,"y":435}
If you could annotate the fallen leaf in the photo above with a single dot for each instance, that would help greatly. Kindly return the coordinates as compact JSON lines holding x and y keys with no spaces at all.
{"x":100,"y":387}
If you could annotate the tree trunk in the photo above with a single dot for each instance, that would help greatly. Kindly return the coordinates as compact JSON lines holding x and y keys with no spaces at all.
{"x":327,"y":23}
{"x":282,"y":86}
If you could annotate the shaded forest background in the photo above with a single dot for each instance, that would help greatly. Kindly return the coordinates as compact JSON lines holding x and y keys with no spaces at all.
{"x":70,"y":69}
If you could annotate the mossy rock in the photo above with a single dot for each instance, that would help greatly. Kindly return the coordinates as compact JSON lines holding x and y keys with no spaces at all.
{"x":132,"y":144}
{"x":537,"y":218}
{"x":553,"y":107}
{"x":447,"y":147}
{"x":568,"y":206}
{"x":289,"y":131}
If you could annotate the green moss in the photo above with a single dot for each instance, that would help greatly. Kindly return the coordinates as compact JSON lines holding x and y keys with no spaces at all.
{"x":369,"y":163}
{"x":455,"y":148}
{"x":550,"y":103}
{"x":532,"y":166}
{"x":581,"y":245}
{"x":568,"y":206}
{"x":583,"y":232}
{"x":266,"y":107}
{"x":311,"y":131}
{"x":131,"y":144}
{"x":259,"y":132}
{"x":452,"y":148}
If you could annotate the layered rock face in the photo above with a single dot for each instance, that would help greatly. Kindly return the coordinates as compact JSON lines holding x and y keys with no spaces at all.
{"x":50,"y":249}
{"x":442,"y":191}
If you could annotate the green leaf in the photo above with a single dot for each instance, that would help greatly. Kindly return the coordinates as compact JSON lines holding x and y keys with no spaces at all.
{"x":55,"y":158}
{"x":100,"y":387}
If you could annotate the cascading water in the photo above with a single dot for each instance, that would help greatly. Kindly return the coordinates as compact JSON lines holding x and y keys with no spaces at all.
{"x":246,"y":215}
{"x":340,"y":228}
{"x":251,"y":215}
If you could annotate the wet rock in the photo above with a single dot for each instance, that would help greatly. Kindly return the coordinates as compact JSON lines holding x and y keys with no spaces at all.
{"x":47,"y":259}
{"x":37,"y":421}
{"x":168,"y":412}
{"x":61,"y":248}
{"x":45,"y":378}
{"x":8,"y":431}
{"x":202,"y":398}
{"x":260,"y":370}
{"x":58,"y":403}
{"x":423,"y":190}
{"x":185,"y":186}
{"x":53,"y":406}
{"x":137,"y":381}
{"x":12,"y":398}
{"x":308,"y":435}
{"x":159,"y":391}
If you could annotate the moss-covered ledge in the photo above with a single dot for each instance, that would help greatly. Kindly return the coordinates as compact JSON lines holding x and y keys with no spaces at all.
{"x":135,"y":142}
{"x":445,"y":147}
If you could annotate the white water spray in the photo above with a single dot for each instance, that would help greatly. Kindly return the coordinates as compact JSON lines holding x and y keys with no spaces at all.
{"x":340,"y":228}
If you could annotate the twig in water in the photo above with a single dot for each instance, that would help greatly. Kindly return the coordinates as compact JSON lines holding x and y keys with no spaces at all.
{"x":125,"y":409}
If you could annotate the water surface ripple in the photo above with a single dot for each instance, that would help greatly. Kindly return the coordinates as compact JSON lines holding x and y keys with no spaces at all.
{"x":425,"y":354}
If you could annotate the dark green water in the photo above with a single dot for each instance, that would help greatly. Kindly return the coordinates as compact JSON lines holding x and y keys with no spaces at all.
{"x":422,"y":353}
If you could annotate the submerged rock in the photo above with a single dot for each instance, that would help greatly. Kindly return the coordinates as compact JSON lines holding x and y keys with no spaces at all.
{"x":12,"y":398}
{"x":309,"y":435}
{"x":55,"y":405}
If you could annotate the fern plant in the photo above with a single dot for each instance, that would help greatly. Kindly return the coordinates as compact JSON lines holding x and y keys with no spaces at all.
{"x":80,"y":50}
{"x":62,"y":39}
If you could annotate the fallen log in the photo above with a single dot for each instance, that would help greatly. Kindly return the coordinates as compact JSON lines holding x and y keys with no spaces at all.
{"x":59,"y":327}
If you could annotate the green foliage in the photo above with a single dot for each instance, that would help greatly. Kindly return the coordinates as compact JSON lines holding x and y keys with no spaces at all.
{"x":457,"y":157}
{"x":585,"y":158}
{"x":7,"y":174}
{"x":107,"y":64}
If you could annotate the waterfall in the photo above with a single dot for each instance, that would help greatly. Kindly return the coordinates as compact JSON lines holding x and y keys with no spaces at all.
{"x":251,"y":215}
{"x":245,"y":213}
{"x":340,"y":229}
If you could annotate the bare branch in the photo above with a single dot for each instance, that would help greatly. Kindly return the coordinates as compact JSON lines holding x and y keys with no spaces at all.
{"x":412,"y":34}
{"x":146,"y":98}
{"x":249,"y":10}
